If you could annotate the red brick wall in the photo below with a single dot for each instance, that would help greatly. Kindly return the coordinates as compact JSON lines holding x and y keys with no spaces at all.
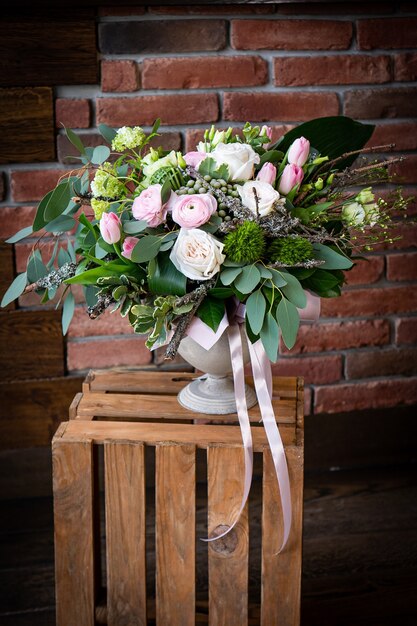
{"x":279,"y":64}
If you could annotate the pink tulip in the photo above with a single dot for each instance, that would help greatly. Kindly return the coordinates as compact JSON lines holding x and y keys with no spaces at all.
{"x":194,"y":158}
{"x":267,"y":131}
{"x":267,"y":173}
{"x":110,"y":227}
{"x":128,"y":245}
{"x":299,"y":151}
{"x":291,"y":176}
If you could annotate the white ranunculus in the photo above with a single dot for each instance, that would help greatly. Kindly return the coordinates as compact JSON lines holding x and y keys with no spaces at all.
{"x":240,"y":158}
{"x":265,"y":193}
{"x":353,"y":213}
{"x":197,"y":254}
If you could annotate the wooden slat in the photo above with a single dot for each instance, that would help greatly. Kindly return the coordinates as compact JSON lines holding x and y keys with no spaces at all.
{"x":125,"y":406}
{"x":55,"y":52}
{"x":229,"y":556}
{"x":300,"y":412}
{"x":27,"y":121}
{"x":73,"y":517}
{"x":175,"y":535}
{"x":124,"y":466}
{"x":199,"y":435}
{"x":133,"y":380}
{"x":281,"y":573}
{"x":32,"y":410}
{"x":22,"y":333}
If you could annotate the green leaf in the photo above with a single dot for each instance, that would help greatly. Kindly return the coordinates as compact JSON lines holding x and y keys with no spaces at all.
{"x":264,"y":271}
{"x":333,"y":260}
{"x":107,"y":132}
{"x":71,"y":251}
{"x":156,"y":125}
{"x":271,"y":156}
{"x":67,"y":312}
{"x":208,"y":167}
{"x":228,"y":275}
{"x":63,"y":257}
{"x":270,"y":336}
{"x":86,"y":222}
{"x":21,"y":234}
{"x":248,"y":279}
{"x":164,"y":278}
{"x":277,"y":278}
{"x":75,"y":140}
{"x":222,"y":293}
{"x":211,"y":312}
{"x":288,"y":319}
{"x":39,"y":221}
{"x":331,"y":136}
{"x":134,"y":227}
{"x":213,"y":225}
{"x":165,"y":191}
{"x":255,"y":310}
{"x":293,"y":290}
{"x":100,"y":154}
{"x":146,"y":249}
{"x":36,"y":268}
{"x":90,"y":294}
{"x":59,"y":199}
{"x":60,"y":224}
{"x":15,"y":290}
{"x":89,"y":277}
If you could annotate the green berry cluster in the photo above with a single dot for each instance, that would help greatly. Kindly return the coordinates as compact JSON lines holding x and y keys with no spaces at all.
{"x":290,"y":250}
{"x":246,"y":244}
{"x":199,"y":186}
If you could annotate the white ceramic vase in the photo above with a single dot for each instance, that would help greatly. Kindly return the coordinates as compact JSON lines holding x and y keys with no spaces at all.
{"x":214,"y":392}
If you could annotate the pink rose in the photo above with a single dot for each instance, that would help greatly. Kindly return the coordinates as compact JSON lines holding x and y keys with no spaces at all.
{"x":110,"y":227}
{"x":191,"y":211}
{"x":291,"y":176}
{"x":128,"y":245}
{"x":267,"y":173}
{"x":194,"y":158}
{"x":148,"y":206}
{"x":299,"y":151}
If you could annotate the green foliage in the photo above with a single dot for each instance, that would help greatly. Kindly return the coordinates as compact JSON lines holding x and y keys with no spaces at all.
{"x":15,"y":290}
{"x":164,"y":278}
{"x":290,"y":250}
{"x":208,"y":167}
{"x":211,"y":312}
{"x":67,"y":312}
{"x":170,"y":174}
{"x":288,"y":319}
{"x":255,"y":310}
{"x":246,"y":244}
{"x":332,"y":260}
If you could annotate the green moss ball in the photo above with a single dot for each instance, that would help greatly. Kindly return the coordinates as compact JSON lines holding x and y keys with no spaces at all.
{"x":290,"y":250}
{"x":246,"y":244}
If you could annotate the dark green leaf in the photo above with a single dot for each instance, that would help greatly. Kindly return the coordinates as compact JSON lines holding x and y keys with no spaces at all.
{"x":248,"y":279}
{"x":331,"y":136}
{"x":71,"y":251}
{"x":156,"y":125}
{"x":165,"y":279}
{"x":59,"y":199}
{"x":271,"y":156}
{"x":288,"y":319}
{"x":67,"y":312}
{"x":165,"y":191}
{"x":107,"y":132}
{"x":221,"y":292}
{"x":21,"y":234}
{"x":333,"y":260}
{"x":146,"y":249}
{"x":270,"y":336}
{"x":211,"y":312}
{"x":208,"y":167}
{"x":100,"y":154}
{"x":39,"y":221}
{"x":255,"y":310}
{"x":75,"y":140}
{"x":15,"y":290}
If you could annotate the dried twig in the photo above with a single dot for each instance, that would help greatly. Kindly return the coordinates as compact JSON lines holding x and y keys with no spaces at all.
{"x":103,"y":302}
{"x":53,"y":279}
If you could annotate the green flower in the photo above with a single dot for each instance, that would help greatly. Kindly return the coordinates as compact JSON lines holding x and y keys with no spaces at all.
{"x":151,"y":165}
{"x":99,"y":207}
{"x":290,"y":250}
{"x":246,"y":244}
{"x":128,"y":138}
{"x":106,"y":183}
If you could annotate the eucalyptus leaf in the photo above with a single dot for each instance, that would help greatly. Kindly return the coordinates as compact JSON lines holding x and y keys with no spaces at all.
{"x":333,"y":260}
{"x":15,"y":290}
{"x":134,"y":227}
{"x":36,"y":268}
{"x":255,"y":310}
{"x":270,"y":336}
{"x":277,"y":278}
{"x":75,"y":140}
{"x":39,"y":221}
{"x":293,"y":291}
{"x":71,"y":251}
{"x":228,"y":275}
{"x":60,"y":224}
{"x":90,"y":294}
{"x":100,"y":154}
{"x":264,"y":271}
{"x":146,"y":249}
{"x":59,"y":199}
{"x":248,"y":279}
{"x":21,"y":234}
{"x":107,"y":132}
{"x":63,"y":257}
{"x":68,"y":309}
{"x":288,"y":319}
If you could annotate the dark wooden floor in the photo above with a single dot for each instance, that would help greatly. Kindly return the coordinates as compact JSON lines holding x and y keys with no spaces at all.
{"x":360,"y":552}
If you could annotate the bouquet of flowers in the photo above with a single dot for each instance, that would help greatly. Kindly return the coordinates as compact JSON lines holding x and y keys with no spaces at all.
{"x":164,"y":236}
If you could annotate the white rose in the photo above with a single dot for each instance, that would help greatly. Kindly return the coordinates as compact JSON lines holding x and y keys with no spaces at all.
{"x":265,"y":193}
{"x":353,"y":213}
{"x":240,"y":158}
{"x":197,"y":254}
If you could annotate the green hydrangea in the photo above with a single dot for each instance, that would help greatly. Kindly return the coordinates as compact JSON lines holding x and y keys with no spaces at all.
{"x":290,"y":250}
{"x":246,"y":244}
{"x":106,"y":183}
{"x":128,"y":138}
{"x":99,"y":207}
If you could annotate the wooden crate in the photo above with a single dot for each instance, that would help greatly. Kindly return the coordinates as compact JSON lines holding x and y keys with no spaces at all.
{"x":124,"y":414}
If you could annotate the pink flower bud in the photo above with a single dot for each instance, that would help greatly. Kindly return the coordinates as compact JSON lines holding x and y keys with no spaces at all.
{"x":128,"y":245}
{"x":194,"y":158}
{"x":291,"y":176}
{"x":267,"y":173}
{"x":110,"y":227}
{"x":267,"y":131}
{"x":299,"y":151}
